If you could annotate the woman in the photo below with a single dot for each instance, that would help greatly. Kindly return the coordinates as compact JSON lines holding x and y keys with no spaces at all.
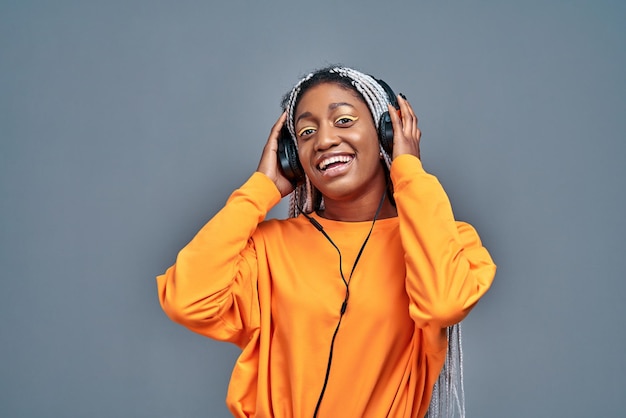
{"x":345,"y":308}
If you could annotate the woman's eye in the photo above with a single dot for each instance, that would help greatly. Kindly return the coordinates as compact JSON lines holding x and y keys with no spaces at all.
{"x":305,"y":131}
{"x":344,"y":120}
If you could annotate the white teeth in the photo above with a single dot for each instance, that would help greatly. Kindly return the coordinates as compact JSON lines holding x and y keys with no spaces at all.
{"x":338,"y":159}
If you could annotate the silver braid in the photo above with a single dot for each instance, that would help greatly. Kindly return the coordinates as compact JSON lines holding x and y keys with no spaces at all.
{"x":448,"y":397}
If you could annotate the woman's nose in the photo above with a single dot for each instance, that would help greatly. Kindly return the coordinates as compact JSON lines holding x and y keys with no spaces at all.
{"x":326,"y":137}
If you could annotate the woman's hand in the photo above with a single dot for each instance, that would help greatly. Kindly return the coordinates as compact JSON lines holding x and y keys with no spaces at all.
{"x":269,"y":159}
{"x":406,"y":134}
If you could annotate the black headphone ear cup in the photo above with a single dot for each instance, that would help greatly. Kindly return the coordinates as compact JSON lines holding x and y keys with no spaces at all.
{"x":288,"y":158}
{"x":385,"y":127}
{"x":385,"y":133}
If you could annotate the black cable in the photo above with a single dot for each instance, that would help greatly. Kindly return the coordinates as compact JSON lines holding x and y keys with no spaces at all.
{"x":344,"y":305}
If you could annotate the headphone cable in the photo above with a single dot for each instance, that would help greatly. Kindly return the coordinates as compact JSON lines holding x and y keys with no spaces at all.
{"x":344,"y":305}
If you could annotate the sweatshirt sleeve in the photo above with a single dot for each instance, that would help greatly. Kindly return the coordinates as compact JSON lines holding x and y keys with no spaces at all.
{"x":212,"y":287}
{"x":448,"y":269}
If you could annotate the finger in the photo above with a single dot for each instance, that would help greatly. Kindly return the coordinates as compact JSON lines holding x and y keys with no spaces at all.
{"x":272,"y":141}
{"x":409,"y":120}
{"x":405,"y":139}
{"x":278,"y":125}
{"x":269,"y":162}
{"x":414,"y":131}
{"x":396,"y":121}
{"x":403,"y":101}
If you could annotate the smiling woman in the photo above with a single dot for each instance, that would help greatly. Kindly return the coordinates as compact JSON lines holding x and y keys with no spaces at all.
{"x":340,"y":154}
{"x":350,"y":307}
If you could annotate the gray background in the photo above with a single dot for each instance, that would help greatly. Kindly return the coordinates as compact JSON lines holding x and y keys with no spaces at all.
{"x":125,"y":125}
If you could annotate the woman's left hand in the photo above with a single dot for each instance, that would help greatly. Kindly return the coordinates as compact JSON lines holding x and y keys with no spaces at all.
{"x":406,"y":134}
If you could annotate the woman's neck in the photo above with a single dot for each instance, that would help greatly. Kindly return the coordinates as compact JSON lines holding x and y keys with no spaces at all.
{"x":351,"y":211}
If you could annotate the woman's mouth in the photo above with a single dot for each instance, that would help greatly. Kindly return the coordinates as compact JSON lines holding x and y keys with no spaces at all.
{"x":334,"y":162}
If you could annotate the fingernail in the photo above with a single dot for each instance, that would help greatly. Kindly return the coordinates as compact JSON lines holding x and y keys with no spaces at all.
{"x":403,"y":96}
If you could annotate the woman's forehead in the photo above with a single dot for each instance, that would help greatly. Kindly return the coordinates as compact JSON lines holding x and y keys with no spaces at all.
{"x":328,"y":96}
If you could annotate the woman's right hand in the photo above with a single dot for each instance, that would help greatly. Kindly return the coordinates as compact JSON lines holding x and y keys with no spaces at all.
{"x":269,"y":159}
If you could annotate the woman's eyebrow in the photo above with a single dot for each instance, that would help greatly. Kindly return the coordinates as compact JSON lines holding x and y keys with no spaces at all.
{"x":302,"y":115}
{"x":333,"y":106}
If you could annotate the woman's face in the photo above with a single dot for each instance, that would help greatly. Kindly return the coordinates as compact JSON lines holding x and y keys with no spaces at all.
{"x":338,"y":143}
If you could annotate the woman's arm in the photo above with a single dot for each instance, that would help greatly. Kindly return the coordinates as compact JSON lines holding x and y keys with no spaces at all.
{"x":448,"y":269}
{"x":212,"y":287}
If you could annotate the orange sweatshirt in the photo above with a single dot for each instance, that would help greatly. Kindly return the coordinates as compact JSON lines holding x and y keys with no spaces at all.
{"x":274,"y":289}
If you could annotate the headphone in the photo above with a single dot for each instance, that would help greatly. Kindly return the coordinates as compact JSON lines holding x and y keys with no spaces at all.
{"x":288,"y":153}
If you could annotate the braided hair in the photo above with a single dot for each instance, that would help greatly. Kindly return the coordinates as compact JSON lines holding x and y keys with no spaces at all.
{"x":448,"y":398}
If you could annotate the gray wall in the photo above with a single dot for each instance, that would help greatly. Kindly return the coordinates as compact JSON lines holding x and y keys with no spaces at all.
{"x":124,"y":126}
